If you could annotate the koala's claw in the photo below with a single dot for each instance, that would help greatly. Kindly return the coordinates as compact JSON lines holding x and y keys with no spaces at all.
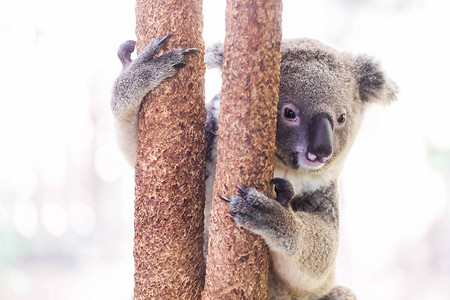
{"x":224,"y":198}
{"x":155,"y":46}
{"x":251,"y":209}
{"x":189,"y":51}
{"x":284,"y":190}
{"x":179,"y":65}
{"x":162,"y":41}
{"x":183,"y":54}
{"x":244,"y":191}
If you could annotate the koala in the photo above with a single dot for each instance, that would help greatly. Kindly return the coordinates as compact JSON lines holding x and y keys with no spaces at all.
{"x":323,"y":94}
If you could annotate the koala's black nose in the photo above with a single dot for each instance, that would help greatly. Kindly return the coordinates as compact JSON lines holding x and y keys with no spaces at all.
{"x":320,"y":145}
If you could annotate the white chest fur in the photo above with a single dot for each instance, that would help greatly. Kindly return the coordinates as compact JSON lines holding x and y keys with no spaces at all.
{"x":304,"y":181}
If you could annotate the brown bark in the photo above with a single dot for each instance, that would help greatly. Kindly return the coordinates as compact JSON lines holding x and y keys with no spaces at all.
{"x":237,"y":264}
{"x":170,"y":168}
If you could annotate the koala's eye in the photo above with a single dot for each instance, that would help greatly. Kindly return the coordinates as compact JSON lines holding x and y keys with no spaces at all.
{"x":342,"y":118}
{"x":289,"y":113}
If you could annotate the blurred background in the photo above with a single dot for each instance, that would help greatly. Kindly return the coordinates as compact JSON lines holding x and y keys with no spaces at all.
{"x":66,"y":193}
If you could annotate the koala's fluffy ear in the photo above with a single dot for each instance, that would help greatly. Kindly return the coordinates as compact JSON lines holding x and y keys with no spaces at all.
{"x":374,"y":86}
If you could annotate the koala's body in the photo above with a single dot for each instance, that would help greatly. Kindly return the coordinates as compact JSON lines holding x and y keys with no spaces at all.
{"x":322,"y":97}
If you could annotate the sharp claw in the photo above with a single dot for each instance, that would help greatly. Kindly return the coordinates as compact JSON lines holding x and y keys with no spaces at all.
{"x":179,"y":65}
{"x":244,"y":191}
{"x":189,"y":51}
{"x":224,"y":198}
{"x":164,"y":38}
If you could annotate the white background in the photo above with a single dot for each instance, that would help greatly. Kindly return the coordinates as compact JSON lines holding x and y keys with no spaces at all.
{"x":66,"y":193}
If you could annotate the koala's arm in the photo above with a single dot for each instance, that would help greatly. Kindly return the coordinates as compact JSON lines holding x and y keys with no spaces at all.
{"x":136,"y":80}
{"x":302,"y":233}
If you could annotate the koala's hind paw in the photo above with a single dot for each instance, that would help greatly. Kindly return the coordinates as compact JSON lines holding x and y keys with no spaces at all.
{"x":284,"y":190}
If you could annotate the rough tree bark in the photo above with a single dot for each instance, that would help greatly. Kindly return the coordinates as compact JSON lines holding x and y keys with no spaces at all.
{"x":170,"y":169}
{"x":237,"y":264}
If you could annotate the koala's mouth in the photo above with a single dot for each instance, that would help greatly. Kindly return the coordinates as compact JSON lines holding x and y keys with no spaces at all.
{"x":302,"y":161}
{"x":310,"y":165}
{"x":299,"y":160}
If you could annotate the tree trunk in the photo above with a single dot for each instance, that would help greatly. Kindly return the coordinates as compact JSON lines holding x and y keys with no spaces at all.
{"x":170,"y":168}
{"x":237,"y":264}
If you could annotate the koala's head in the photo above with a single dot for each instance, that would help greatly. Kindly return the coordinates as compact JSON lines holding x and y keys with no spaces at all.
{"x":322,"y":98}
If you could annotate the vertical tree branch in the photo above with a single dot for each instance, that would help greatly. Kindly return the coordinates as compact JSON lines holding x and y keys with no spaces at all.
{"x":237,"y":264}
{"x":170,"y":165}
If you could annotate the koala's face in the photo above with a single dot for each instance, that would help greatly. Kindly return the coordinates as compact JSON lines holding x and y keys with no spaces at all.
{"x":322,"y":99}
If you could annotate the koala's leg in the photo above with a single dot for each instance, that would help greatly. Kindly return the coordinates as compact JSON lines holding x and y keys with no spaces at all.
{"x":339,"y":293}
{"x":135,"y":81}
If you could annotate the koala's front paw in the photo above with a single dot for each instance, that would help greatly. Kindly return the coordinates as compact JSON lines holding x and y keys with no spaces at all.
{"x":179,"y":56}
{"x":253,"y":210}
{"x":174,"y":58}
{"x":155,"y":46}
{"x":143,"y":74}
{"x":148,"y":53}
{"x":284,"y":190}
{"x":265,"y":217}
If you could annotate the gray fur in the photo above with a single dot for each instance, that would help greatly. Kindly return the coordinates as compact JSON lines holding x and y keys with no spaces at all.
{"x":317,"y":83}
{"x":322,"y":98}
{"x":373,"y":84}
{"x":135,"y":81}
{"x":214,"y":56}
{"x":321,"y":202}
{"x":339,"y":293}
{"x":125,"y":51}
{"x":211,"y":128}
{"x":267,"y":218}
